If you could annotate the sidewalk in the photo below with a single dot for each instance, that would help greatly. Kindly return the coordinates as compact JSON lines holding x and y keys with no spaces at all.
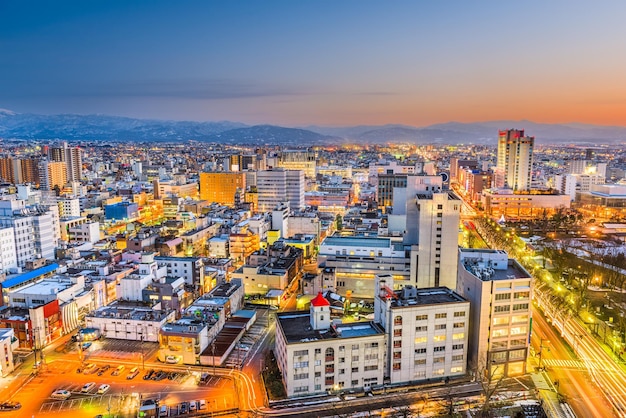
{"x":547,"y":395}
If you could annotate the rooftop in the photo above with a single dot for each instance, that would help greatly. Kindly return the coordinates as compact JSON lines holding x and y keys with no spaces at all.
{"x":296,"y":326}
{"x":136,"y":314}
{"x":410,"y":296}
{"x":358,"y":242}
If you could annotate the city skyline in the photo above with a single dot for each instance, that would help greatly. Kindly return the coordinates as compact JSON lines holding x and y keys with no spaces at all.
{"x":332,"y":64}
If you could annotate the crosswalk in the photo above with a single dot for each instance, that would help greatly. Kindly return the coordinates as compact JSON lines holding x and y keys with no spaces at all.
{"x":564,"y":364}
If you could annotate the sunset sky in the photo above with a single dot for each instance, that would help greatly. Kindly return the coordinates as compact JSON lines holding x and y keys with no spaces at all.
{"x":296,"y":63}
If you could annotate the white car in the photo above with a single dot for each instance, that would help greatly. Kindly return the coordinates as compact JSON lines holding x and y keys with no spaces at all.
{"x":87,"y":387}
{"x":104,"y":388}
{"x":61,"y":394}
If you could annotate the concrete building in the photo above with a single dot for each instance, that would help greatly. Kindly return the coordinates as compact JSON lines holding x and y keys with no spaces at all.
{"x":221,"y":187}
{"x":191,"y":269}
{"x":515,"y":160}
{"x":69,"y":208}
{"x":129,"y":323}
{"x":36,"y":229}
{"x":8,"y":343}
{"x":53,"y":174}
{"x":317,"y":355}
{"x":300,"y":160}
{"x":426,"y":330}
{"x":8,"y":252}
{"x":524,"y":205}
{"x":276,"y":186}
{"x":358,"y":260}
{"x":437,"y":229}
{"x":71,"y":156}
{"x":499,"y":291}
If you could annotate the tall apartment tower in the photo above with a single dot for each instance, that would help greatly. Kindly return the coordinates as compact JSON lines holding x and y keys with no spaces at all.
{"x":277,"y":185}
{"x":221,"y":187}
{"x":72,"y":158}
{"x":515,"y":159}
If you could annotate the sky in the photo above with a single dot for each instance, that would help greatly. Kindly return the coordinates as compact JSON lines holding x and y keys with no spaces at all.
{"x":333,"y":63}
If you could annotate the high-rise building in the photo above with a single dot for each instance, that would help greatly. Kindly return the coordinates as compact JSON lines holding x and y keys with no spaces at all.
{"x":433,"y":222}
{"x":499,"y":290}
{"x":277,"y":186}
{"x":71,"y":156}
{"x":53,"y":173}
{"x":19,"y":170}
{"x":221,"y":187}
{"x":515,"y":159}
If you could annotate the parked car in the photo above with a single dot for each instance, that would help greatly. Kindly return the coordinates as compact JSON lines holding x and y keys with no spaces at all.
{"x":119,"y":369}
{"x":201,"y":405}
{"x":193,"y":406}
{"x":89,"y":368}
{"x":86,"y":345}
{"x":10,"y":406}
{"x":103,"y":369}
{"x":87,"y":387}
{"x":160,"y":375}
{"x":183,"y":408}
{"x":132,"y":373}
{"x":104,"y":388}
{"x":164,"y":411}
{"x":61,"y":394}
{"x":148,"y":374}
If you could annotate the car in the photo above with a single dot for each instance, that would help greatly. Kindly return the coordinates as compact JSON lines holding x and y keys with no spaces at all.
{"x":164,"y":411}
{"x":201,"y":405}
{"x":193,"y":406}
{"x":148,"y":374}
{"x":119,"y":369}
{"x":171,"y":359}
{"x":87,"y":387}
{"x":103,"y":369}
{"x":89,"y":368}
{"x":104,"y":388}
{"x":132,"y":373}
{"x":61,"y":394}
{"x":86,"y":345}
{"x":183,"y":408}
{"x":10,"y":406}
{"x":172,"y":375}
{"x":160,"y":375}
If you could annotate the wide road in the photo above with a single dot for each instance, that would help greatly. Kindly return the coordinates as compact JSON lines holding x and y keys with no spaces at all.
{"x":574,"y":380}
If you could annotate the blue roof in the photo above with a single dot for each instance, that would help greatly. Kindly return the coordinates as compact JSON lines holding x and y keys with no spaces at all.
{"x":358,"y":242}
{"x":30,"y":275}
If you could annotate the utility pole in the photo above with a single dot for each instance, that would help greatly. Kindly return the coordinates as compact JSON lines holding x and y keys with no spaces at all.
{"x":213,"y":355}
{"x":541,"y":340}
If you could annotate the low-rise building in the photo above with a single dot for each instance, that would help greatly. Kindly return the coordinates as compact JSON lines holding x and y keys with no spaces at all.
{"x":316,"y":355}
{"x":426,"y":329}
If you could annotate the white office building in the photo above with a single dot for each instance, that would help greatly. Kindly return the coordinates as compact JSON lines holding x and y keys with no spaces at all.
{"x":277,"y":185}
{"x":317,"y":355}
{"x":426,"y":329}
{"x":8,"y":253}
{"x":499,"y":290}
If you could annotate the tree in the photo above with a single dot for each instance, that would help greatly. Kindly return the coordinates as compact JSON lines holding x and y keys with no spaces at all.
{"x":339,"y":222}
{"x":491,"y":381}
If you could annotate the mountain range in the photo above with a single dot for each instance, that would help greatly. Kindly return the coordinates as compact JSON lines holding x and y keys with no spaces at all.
{"x":115,"y":128}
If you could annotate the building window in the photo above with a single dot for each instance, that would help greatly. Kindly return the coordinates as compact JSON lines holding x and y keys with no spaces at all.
{"x":458,"y":336}
{"x":421,"y":317}
{"x":330,"y":354}
{"x":421,"y":329}
{"x":439,"y":349}
{"x":503,"y":296}
{"x":397,"y":344}
{"x":420,"y":351}
{"x":439,"y":338}
{"x":397,"y":332}
{"x":457,"y":346}
{"x":458,"y":325}
{"x":397,"y":320}
{"x":457,"y":357}
{"x":440,"y":326}
{"x":370,"y":368}
{"x":441,"y":315}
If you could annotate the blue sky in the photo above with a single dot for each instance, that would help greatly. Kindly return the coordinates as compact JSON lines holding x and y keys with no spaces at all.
{"x":317,"y":62}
